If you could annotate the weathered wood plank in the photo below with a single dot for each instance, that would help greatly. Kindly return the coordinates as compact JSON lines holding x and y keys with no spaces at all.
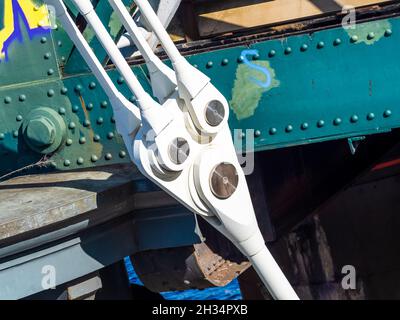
{"x":31,"y":202}
{"x":227,"y":16}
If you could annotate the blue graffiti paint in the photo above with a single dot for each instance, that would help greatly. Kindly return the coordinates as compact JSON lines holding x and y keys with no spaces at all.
{"x":263,"y":70}
{"x":17,"y":34}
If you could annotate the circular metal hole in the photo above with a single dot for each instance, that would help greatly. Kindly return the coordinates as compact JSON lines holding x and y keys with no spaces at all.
{"x":215,"y":113}
{"x":224,"y":180}
{"x":178,"y":150}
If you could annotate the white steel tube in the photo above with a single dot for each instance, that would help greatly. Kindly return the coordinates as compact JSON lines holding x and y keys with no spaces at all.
{"x":84,"y":48}
{"x":162,"y":78}
{"x":87,"y":10}
{"x":134,"y":31}
{"x":162,"y":35}
{"x":272,"y":276}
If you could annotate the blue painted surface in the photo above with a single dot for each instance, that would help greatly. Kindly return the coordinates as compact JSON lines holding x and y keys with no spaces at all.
{"x":229,"y":292}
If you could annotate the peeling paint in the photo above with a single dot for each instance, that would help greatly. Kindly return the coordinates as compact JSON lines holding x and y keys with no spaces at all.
{"x":362,"y":30}
{"x":246,"y":94}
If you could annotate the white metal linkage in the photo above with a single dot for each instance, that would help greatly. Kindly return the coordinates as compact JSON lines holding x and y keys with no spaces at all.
{"x":184,"y":145}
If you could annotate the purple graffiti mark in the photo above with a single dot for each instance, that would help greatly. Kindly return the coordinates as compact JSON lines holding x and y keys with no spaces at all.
{"x":17,"y":34}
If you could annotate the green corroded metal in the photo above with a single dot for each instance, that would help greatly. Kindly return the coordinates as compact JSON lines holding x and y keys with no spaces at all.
{"x":330,"y":84}
{"x":324,"y":86}
{"x":75,"y":64}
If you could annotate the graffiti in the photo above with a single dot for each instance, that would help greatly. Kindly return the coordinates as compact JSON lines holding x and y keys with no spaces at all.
{"x":19,"y":14}
{"x":263,"y":70}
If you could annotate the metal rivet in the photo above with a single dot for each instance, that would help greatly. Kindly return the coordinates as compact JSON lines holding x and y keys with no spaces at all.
{"x":19,"y":118}
{"x":257,"y":133}
{"x":240,"y":59}
{"x":272,"y":53}
{"x":59,"y":43}
{"x":50,"y":72}
{"x":209,"y":64}
{"x":387,"y":113}
{"x":47,"y":55}
{"x":104,"y":104}
{"x":256,"y":56}
{"x":337,"y":121}
{"x":304,"y":126}
{"x":92,"y":85}
{"x":337,"y":42}
{"x":78,"y":88}
{"x":62,"y":111}
{"x":370,"y":36}
{"x":90,"y":106}
{"x":50,"y":93}
{"x":354,"y":118}
{"x":320,"y":123}
{"x":224,"y":62}
{"x":320,"y":45}
{"x":108,"y":156}
{"x":272,"y":131}
{"x":63,"y":59}
{"x":304,"y":47}
{"x":15,"y":133}
{"x":64,"y":90}
{"x":132,"y":99}
{"x":354,"y":39}
{"x":196,"y":66}
{"x":288,"y":50}
{"x":7,"y":100}
{"x":388,"y":32}
{"x":120,"y":80}
{"x":110,"y":135}
{"x":94,"y":158}
{"x":72,"y":125}
{"x":242,"y":134}
{"x":289,"y":128}
{"x":22,"y":97}
{"x":122,"y":154}
{"x":112,"y":119}
{"x":86,"y":123}
{"x":75,"y":109}
{"x":69,"y":142}
{"x":370,"y":116}
{"x":43,"y":40}
{"x":82,"y":140}
{"x":67,"y":163}
{"x":80,"y":161}
{"x":100,"y":120}
{"x":96,"y":138}
{"x":2,"y":136}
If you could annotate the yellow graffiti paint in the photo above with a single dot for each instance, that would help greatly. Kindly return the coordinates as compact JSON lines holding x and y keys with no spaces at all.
{"x":36,"y":16}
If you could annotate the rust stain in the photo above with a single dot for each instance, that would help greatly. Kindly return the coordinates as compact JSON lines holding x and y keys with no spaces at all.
{"x":96,"y":147}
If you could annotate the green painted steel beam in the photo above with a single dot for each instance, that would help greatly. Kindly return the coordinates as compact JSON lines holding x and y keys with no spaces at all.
{"x":331,"y":84}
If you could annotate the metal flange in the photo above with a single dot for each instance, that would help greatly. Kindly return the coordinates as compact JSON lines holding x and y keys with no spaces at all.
{"x":44,"y":130}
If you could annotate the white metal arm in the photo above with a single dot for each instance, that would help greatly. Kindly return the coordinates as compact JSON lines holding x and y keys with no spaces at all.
{"x":162,"y":78}
{"x":194,"y":87}
{"x":203,"y":174}
{"x":122,"y":108}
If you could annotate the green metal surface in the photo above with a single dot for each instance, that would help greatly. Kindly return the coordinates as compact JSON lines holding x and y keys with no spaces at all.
{"x":324,"y":85}
{"x":75,"y":62}
{"x":330,"y":84}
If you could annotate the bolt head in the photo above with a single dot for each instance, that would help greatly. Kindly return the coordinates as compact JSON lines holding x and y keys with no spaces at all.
{"x":224,"y":180}
{"x":40,"y":132}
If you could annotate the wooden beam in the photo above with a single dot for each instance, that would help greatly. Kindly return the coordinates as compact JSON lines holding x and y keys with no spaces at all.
{"x":217,"y":17}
